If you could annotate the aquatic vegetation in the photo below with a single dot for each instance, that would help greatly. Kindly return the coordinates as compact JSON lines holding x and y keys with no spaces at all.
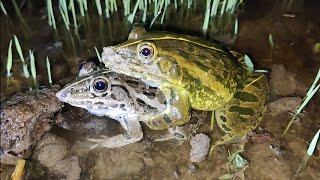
{"x":98,"y":54}
{"x":82,"y":5}
{"x":311,"y":92}
{"x":18,"y":13}
{"x":49,"y":70}
{"x":309,"y":153}
{"x":236,"y":25}
{"x":19,"y":50}
{"x":271,"y":41}
{"x":3,"y":9}
{"x":206,"y":16}
{"x":51,"y":19}
{"x":9,"y":60}
{"x":215,"y":8}
{"x":33,"y":67}
{"x":73,"y":11}
{"x":98,"y":6}
{"x":64,"y":13}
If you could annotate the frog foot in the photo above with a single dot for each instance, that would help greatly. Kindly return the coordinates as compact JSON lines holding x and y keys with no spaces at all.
{"x":177,"y":132}
{"x":115,"y":141}
{"x":227,"y":139}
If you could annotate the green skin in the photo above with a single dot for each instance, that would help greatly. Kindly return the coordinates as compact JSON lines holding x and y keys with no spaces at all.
{"x":203,"y":75}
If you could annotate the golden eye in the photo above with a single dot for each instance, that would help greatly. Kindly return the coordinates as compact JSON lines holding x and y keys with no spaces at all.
{"x":146,"y":51}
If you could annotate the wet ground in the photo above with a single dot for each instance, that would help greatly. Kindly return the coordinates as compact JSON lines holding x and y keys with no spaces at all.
{"x":292,"y":64}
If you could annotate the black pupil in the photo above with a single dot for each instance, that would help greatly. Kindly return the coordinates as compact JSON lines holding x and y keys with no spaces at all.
{"x":100,"y":85}
{"x":146,"y":51}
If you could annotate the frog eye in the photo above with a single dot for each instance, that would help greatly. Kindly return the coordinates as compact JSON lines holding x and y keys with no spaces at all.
{"x":146,"y":51}
{"x":100,"y":86}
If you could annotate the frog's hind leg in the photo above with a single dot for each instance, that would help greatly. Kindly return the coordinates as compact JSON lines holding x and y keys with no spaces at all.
{"x":245,"y":110}
{"x":134,"y":134}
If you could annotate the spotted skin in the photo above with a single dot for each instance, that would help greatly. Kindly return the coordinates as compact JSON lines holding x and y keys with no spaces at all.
{"x":245,"y":110}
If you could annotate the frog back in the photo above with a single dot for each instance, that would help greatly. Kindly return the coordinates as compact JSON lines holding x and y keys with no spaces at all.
{"x":207,"y":70}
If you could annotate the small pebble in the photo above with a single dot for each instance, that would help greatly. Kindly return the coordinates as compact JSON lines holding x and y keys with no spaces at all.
{"x":200,"y":144}
{"x":192,"y":168}
{"x":276,"y":149}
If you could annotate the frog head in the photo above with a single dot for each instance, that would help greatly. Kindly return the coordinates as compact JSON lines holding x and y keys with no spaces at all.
{"x":144,"y":56}
{"x":98,"y":94}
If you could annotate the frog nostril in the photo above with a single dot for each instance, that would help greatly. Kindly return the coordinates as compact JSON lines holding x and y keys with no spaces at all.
{"x":61,"y":95}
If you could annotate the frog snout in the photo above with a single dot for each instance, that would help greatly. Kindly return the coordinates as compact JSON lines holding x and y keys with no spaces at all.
{"x":61,"y":95}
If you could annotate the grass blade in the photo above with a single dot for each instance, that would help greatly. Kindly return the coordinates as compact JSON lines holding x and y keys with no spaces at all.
{"x":64,"y":18}
{"x":271,"y":41}
{"x":33,"y":67}
{"x":132,"y":15}
{"x":236,"y":25}
{"x":80,"y":3}
{"x":49,"y":71}
{"x":313,"y":143}
{"x":18,"y":48}
{"x":9,"y":60}
{"x":98,"y":6}
{"x":98,"y":55}
{"x":206,"y":17}
{"x":51,"y":19}
{"x":223,"y":7}
{"x":313,"y":89}
{"x":214,"y":8}
{"x":85,"y":5}
{"x":73,"y":11}
{"x":63,"y":5}
{"x":107,"y":9}
{"x":3,"y":9}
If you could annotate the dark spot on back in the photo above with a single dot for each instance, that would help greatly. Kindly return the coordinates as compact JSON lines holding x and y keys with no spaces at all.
{"x":242,"y":110}
{"x":225,"y":128}
{"x":224,"y":119}
{"x":246,"y":97}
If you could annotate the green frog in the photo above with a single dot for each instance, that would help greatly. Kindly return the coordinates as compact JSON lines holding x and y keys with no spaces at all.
{"x":193,"y":73}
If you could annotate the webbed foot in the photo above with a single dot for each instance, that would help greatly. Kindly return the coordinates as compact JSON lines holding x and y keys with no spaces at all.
{"x":134,"y":134}
{"x":115,"y":141}
{"x":226,"y":139}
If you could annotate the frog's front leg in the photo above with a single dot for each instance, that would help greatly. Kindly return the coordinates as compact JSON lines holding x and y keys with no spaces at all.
{"x":134,"y":134}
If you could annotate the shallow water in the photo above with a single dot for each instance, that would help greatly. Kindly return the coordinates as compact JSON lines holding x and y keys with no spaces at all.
{"x":294,"y":32}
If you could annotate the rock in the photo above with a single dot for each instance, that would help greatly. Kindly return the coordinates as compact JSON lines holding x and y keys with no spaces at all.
{"x":200,"y":144}
{"x":276,"y":149}
{"x":282,"y":82}
{"x":69,"y":168}
{"x":192,"y":168}
{"x":51,"y":151}
{"x":286,"y":104}
{"x":25,"y":117}
{"x":120,"y":163}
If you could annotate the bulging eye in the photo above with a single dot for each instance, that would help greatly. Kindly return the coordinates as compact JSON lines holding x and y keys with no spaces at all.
{"x":100,"y":85}
{"x":146,"y":51}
